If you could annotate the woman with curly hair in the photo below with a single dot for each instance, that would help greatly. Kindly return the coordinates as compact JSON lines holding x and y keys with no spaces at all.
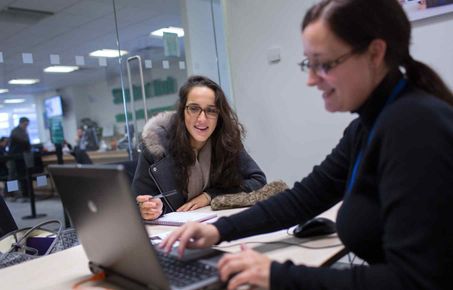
{"x":191,"y":155}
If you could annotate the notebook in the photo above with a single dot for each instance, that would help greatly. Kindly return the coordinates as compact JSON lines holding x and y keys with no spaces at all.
{"x":103,"y":210}
{"x":180,"y":218}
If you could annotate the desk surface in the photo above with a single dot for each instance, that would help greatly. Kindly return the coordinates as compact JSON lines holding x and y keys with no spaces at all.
{"x":64,"y":269}
{"x":95,"y":156}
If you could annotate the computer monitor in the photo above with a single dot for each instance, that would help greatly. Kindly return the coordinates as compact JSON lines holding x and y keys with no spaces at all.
{"x":53,"y":107}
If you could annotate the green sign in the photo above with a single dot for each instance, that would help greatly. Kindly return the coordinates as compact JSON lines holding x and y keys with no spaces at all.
{"x":155,"y":88}
{"x":56,"y":130}
{"x":171,"y":44}
{"x":140,"y":114}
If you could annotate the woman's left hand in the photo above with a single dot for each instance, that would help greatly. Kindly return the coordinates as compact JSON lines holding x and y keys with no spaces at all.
{"x":199,"y":201}
{"x":252,"y":268}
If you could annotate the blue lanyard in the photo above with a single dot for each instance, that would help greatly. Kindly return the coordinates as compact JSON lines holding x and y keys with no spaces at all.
{"x":395,"y":92}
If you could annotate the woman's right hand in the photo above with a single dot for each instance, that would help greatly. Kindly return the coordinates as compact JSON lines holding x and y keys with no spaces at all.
{"x":191,"y":235}
{"x":150,"y":208}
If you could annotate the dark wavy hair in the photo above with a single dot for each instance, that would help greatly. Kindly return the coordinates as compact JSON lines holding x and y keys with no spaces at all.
{"x":358,"y":22}
{"x":226,"y":140}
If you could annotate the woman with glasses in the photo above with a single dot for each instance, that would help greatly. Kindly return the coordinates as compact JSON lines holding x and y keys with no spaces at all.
{"x":192,"y":155}
{"x":393,"y":167}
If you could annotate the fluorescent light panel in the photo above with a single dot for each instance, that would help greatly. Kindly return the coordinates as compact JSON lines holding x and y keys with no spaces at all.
{"x":23,"y":81}
{"x":13,"y":101}
{"x":2,"y":91}
{"x":171,"y":29}
{"x":108,"y":53}
{"x":60,"y":69}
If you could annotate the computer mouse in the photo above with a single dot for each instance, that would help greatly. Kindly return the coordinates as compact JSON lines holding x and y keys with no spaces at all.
{"x":315,"y":227}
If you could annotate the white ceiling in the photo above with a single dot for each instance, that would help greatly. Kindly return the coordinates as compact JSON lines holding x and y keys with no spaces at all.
{"x":76,"y":27}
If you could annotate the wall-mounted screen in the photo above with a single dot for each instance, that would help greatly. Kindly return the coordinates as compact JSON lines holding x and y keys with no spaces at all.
{"x":53,"y":107}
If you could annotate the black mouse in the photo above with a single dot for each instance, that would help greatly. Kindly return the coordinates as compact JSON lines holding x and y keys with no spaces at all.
{"x":315,"y":227}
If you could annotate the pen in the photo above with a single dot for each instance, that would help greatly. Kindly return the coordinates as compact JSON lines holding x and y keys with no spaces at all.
{"x":150,"y":198}
{"x":164,"y":198}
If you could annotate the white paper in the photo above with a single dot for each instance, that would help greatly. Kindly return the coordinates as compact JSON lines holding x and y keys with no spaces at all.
{"x":12,"y":185}
{"x":148,"y":63}
{"x":80,"y":60}
{"x":41,"y":181}
{"x":27,"y":58}
{"x":165,"y":64}
{"x":102,"y":61}
{"x":54,"y":59}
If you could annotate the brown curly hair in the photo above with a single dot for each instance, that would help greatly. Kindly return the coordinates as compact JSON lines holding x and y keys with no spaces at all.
{"x":226,"y":140}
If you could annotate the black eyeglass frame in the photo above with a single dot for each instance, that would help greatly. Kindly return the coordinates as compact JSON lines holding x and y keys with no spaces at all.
{"x":209,"y":114}
{"x":325,"y":67}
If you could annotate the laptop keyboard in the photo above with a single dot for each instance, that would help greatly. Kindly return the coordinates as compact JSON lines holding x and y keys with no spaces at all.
{"x":183,"y":273}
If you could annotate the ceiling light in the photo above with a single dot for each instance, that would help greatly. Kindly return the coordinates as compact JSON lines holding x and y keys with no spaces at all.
{"x":23,"y":81}
{"x":13,"y":101}
{"x":2,"y":91}
{"x":108,"y":53}
{"x":60,"y":69}
{"x":179,"y":31}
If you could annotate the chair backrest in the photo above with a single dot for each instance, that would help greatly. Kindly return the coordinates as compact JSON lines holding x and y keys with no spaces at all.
{"x":81,"y":156}
{"x":7,"y":223}
{"x":130,"y":166}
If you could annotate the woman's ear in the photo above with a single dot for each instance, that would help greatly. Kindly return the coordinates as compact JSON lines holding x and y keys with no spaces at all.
{"x":377,"y":50}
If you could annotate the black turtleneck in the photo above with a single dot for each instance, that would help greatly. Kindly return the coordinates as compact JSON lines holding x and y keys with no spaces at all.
{"x":397,"y":216}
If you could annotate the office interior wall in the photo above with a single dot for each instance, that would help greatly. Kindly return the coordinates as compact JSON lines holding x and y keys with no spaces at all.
{"x":95,"y":101}
{"x":432,"y":43}
{"x":289,"y":130}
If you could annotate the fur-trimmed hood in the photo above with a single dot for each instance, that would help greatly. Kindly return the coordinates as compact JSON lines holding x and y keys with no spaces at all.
{"x":155,"y":134}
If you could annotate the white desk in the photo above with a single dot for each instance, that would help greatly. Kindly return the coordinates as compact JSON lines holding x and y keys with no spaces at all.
{"x":64,"y":269}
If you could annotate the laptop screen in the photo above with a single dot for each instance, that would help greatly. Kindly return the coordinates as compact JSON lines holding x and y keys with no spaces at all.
{"x":103,"y":210}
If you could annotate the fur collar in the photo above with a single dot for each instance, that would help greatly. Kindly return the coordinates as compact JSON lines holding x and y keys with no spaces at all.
{"x":155,"y":134}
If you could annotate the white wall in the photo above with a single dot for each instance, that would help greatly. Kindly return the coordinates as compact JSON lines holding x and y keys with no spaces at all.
{"x":432,"y":43}
{"x":288,"y":129}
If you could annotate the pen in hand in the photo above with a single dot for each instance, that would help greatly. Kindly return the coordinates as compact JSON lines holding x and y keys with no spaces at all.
{"x":150,"y":206}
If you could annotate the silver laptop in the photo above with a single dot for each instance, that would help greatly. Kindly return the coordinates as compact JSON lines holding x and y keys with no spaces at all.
{"x":102,"y":208}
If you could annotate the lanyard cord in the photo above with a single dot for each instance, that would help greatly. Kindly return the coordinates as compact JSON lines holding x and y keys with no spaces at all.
{"x":395,"y":92}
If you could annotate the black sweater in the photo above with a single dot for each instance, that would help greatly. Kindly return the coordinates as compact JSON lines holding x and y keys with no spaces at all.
{"x":397,"y":216}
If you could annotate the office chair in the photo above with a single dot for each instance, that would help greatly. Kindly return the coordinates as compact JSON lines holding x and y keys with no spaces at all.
{"x":129,"y":166}
{"x":81,"y":156}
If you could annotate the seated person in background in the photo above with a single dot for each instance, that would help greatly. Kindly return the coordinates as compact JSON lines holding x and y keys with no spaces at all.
{"x":196,"y":151}
{"x":3,"y":145}
{"x":392,"y":169}
{"x":3,"y":167}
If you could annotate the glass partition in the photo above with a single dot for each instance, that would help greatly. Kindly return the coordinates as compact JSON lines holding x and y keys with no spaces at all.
{"x":58,"y":72}
{"x":86,"y":75}
{"x":154,"y":67}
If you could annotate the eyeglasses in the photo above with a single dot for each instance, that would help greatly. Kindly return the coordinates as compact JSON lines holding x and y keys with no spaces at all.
{"x":323,"y":68}
{"x":210,"y":112}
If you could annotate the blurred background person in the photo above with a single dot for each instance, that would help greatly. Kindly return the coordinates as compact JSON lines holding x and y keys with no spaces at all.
{"x":19,"y":143}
